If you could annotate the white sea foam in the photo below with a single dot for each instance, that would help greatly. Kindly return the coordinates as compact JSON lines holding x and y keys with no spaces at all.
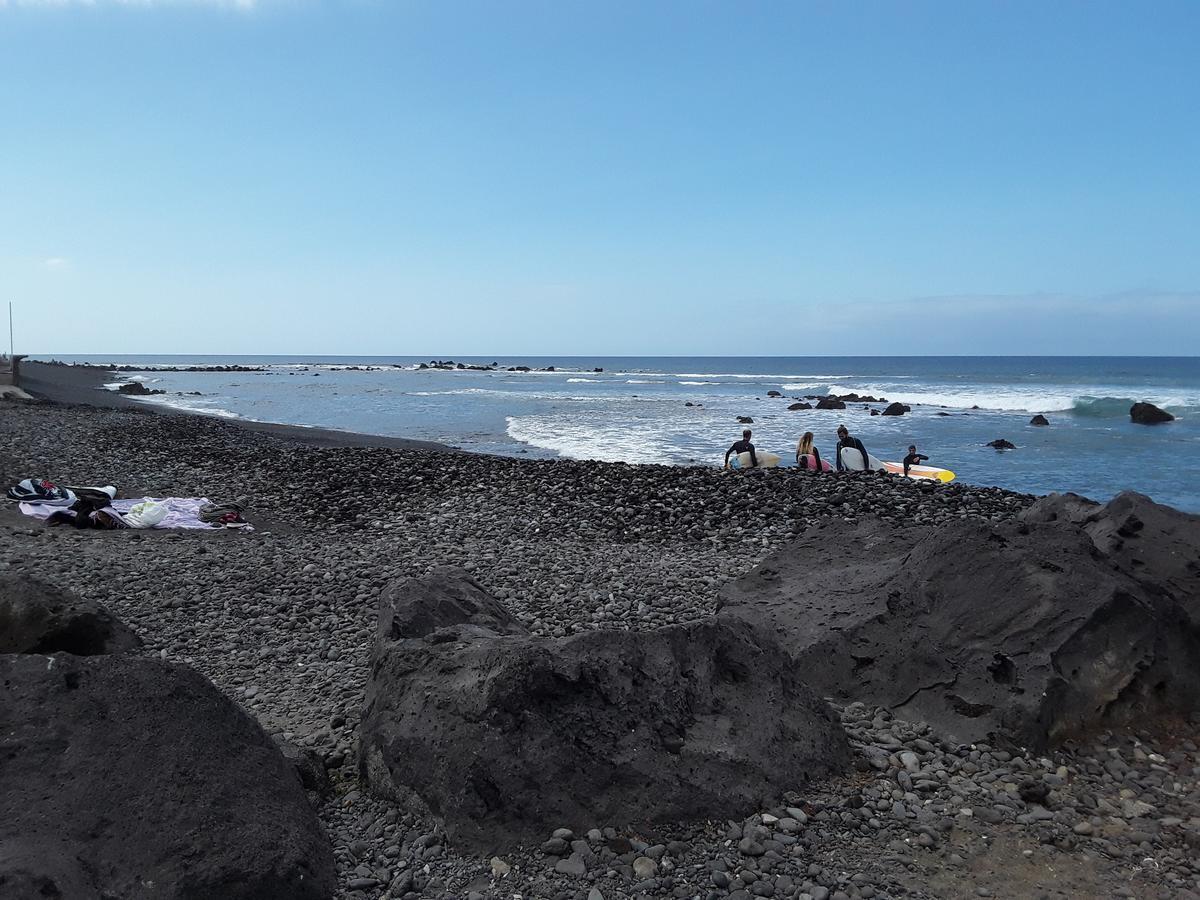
{"x":642,"y":381}
{"x":698,"y":383}
{"x":199,"y":407}
{"x":616,"y":442}
{"x":583,"y":380}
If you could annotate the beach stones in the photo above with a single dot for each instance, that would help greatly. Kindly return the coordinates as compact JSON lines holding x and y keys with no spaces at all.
{"x":1037,"y":639}
{"x":36,"y":617}
{"x":501,"y":732}
{"x":120,"y":773}
{"x":1149,"y":414}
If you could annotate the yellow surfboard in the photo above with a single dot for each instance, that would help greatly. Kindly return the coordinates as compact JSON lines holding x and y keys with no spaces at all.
{"x":926,"y":472}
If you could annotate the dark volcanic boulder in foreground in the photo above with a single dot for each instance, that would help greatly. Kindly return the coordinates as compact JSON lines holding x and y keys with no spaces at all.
{"x":1156,"y":545}
{"x":1021,"y":630}
{"x":508,"y":736}
{"x":1149,"y":414}
{"x":133,"y":778}
{"x":39,"y":618}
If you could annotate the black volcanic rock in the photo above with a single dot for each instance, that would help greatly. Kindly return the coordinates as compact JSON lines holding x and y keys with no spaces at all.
{"x":1039,"y":420}
{"x":896,"y":409}
{"x":1002,"y":444}
{"x":1156,"y":545}
{"x":830,"y":403}
{"x":798,"y":406}
{"x":506,"y":735}
{"x":1149,"y":414}
{"x":1024,"y":632}
{"x":134,"y":778}
{"x":39,"y":618}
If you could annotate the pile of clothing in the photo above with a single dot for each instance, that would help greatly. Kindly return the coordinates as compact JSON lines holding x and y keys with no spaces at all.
{"x":97,"y":507}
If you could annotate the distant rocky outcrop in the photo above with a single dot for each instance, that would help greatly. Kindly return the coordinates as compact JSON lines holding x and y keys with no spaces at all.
{"x":896,"y":409}
{"x":830,"y":403}
{"x":745,"y":420}
{"x":502,"y":733}
{"x":798,"y":406}
{"x":129,"y":777}
{"x":1039,"y":420}
{"x":1024,"y":632}
{"x":774,"y":394}
{"x":1002,"y":444}
{"x":1149,"y":414}
{"x":36,"y":617}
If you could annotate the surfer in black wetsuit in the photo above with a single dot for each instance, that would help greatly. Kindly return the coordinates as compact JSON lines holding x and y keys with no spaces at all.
{"x":844,"y":441}
{"x":743,"y":446}
{"x":913,"y":458}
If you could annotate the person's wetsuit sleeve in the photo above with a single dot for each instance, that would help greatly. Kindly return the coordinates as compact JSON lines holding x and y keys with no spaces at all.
{"x":866,"y":458}
{"x":816,"y":456}
{"x":753,"y":458}
{"x":729,"y":451}
{"x":837,"y":453}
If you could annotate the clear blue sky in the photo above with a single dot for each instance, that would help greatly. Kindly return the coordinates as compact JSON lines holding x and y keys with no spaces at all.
{"x":607,"y":177}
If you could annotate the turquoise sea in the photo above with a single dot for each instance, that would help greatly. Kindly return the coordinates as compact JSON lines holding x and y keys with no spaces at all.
{"x":635,"y":410}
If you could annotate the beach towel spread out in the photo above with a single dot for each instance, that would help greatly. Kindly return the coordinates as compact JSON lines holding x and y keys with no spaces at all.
{"x":181,"y":512}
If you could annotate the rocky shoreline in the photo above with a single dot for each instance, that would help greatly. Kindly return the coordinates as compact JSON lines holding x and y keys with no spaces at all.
{"x":282,"y":620}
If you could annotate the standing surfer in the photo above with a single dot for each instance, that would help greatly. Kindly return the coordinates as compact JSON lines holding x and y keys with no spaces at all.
{"x":913,"y":458}
{"x":743,"y":446}
{"x":845,"y":441}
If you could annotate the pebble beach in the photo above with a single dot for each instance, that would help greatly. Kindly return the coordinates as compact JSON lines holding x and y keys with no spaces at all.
{"x":282,"y":620}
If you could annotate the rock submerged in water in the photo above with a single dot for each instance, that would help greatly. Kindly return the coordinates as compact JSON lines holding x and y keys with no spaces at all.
{"x":39,"y":618}
{"x":896,"y":409}
{"x":1149,"y":414}
{"x":137,"y":389}
{"x":795,"y":407}
{"x":830,"y":403}
{"x":1039,"y":420}
{"x":1002,"y":444}
{"x":501,"y":732}
{"x":121,"y":773}
{"x":1027,"y":632}
{"x":745,"y":420}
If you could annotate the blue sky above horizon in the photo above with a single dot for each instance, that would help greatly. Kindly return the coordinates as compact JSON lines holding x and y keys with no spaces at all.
{"x":617,"y":178}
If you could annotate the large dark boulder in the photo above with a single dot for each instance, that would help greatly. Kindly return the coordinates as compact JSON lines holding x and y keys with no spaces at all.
{"x":1039,"y":420}
{"x":1002,"y":444}
{"x":798,"y":406}
{"x":507,"y":736}
{"x":1156,"y":545}
{"x":830,"y":403}
{"x":896,"y":409}
{"x":36,"y":617}
{"x":134,"y":778}
{"x":1021,"y":631}
{"x":1149,"y":414}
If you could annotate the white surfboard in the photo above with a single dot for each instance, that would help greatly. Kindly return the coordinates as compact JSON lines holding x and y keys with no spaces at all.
{"x":766,"y":459}
{"x":852,"y":459}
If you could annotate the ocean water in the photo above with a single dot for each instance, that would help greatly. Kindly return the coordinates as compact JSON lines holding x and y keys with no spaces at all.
{"x":635,"y":410}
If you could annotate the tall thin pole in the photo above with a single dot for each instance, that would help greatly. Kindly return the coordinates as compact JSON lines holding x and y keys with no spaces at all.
{"x":10,"y":337}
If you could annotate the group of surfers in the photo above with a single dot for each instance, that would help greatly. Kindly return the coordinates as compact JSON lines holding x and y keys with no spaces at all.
{"x":808,"y":456}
